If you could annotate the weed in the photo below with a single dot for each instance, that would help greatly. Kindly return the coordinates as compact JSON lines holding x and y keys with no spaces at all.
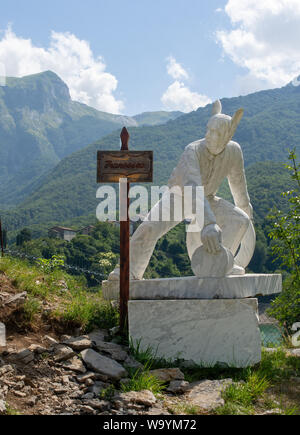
{"x":143,"y":380}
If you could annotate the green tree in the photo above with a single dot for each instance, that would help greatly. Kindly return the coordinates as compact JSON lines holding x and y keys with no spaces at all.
{"x":23,"y":236}
{"x":286,"y":235}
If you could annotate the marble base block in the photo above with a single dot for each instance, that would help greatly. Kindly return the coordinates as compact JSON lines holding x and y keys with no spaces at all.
{"x":208,"y":332}
{"x":229,"y":287}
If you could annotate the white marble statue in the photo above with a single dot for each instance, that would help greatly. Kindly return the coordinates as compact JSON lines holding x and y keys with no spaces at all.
{"x":225,"y":244}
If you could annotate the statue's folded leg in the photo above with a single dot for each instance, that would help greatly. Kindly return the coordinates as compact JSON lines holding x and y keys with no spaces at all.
{"x":232,"y":221}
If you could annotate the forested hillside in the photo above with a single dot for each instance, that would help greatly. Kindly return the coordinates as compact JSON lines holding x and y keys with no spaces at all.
{"x":270,"y":126}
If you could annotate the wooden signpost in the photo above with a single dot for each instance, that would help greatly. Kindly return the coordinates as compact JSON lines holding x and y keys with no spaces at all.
{"x":135,"y":166}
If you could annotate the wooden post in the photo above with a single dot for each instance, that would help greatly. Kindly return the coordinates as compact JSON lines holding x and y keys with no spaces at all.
{"x":1,"y":239}
{"x":124,"y":248}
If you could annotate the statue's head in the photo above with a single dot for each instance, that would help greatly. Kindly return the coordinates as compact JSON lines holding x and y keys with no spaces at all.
{"x":221,"y":128}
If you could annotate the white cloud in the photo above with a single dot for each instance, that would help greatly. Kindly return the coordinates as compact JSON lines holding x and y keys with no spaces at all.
{"x":69,"y":57}
{"x":175,"y":70}
{"x":178,"y":96}
{"x":264,"y":39}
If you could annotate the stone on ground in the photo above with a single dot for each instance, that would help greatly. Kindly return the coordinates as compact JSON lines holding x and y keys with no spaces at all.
{"x":167,"y":375}
{"x":178,"y":387}
{"x":78,"y":343}
{"x":103,"y":365}
{"x":63,"y":353}
{"x":2,"y":335}
{"x":207,"y":394}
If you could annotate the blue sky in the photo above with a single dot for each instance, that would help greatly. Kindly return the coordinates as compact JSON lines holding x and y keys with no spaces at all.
{"x":215,"y":48}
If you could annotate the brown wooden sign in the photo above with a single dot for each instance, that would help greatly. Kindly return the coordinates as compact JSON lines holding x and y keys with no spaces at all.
{"x":136,"y":166}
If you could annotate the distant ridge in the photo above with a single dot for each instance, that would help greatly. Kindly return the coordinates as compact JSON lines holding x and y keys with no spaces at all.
{"x":40,"y":125}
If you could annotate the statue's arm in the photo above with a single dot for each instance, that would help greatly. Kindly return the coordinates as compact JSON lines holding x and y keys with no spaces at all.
{"x":237,"y":182}
{"x":192,"y":177}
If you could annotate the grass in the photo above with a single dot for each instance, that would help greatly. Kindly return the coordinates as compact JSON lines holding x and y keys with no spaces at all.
{"x":148,"y":356}
{"x":249,"y":392}
{"x":143,"y":380}
{"x":76,"y":307}
{"x":12,"y":411}
{"x":252,"y":393}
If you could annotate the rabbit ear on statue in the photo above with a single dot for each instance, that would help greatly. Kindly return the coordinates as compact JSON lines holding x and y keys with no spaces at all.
{"x":236,"y":119}
{"x":217,"y":108}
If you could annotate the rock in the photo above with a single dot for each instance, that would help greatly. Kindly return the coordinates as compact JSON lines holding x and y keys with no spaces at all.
{"x":167,"y":375}
{"x":101,"y":405}
{"x":87,"y":396}
{"x":97,"y":388}
{"x":98,"y":336}
{"x":75,"y":364}
{"x":84,"y":377}
{"x":16,"y":300}
{"x":178,"y":387}
{"x":145,"y":398}
{"x":64,"y":338}
{"x":114,"y":350}
{"x":157,"y":411}
{"x":36,"y":348}
{"x":78,"y":343}
{"x":31,"y":401}
{"x":24,"y":356}
{"x":103,"y":365}
{"x":86,"y":410}
{"x":295,"y":352}
{"x":61,"y":390}
{"x":2,"y":335}
{"x":2,"y":407}
{"x":50,"y":341}
{"x":6,"y":369}
{"x":63,"y":353}
{"x":19,"y":394}
{"x":131,"y":363}
{"x":207,"y":394}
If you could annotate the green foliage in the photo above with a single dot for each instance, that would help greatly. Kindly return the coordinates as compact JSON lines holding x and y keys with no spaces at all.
{"x":74,"y":307}
{"x":274,"y":368}
{"x":31,"y":307}
{"x":54,"y":263}
{"x":286,"y":247}
{"x":23,"y":237}
{"x":143,"y":380}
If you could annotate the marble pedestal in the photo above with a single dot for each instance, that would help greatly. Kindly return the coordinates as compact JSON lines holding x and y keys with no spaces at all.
{"x":205,"y":320}
{"x":207,"y":332}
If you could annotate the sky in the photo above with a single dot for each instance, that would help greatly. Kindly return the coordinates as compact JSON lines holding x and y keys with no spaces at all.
{"x":132,"y":56}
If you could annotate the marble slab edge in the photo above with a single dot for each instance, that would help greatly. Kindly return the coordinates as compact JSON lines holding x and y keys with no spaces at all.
{"x":229,"y":287}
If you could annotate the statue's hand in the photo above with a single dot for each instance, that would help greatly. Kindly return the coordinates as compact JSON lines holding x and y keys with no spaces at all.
{"x":211,"y":237}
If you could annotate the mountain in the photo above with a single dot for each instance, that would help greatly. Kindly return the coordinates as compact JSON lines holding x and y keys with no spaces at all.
{"x":270,"y":126}
{"x":155,"y":118}
{"x":40,"y":125}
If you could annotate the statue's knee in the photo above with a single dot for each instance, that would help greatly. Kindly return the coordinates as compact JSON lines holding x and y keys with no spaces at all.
{"x":243,"y":219}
